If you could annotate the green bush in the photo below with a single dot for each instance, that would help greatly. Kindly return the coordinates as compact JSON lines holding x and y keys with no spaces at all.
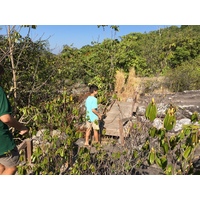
{"x":185,"y":76}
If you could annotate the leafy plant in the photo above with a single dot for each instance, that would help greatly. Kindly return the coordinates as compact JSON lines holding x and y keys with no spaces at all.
{"x":173,"y":154}
{"x":151,"y":111}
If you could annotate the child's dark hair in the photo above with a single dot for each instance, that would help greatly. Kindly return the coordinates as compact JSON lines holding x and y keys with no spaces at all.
{"x":93,"y":88}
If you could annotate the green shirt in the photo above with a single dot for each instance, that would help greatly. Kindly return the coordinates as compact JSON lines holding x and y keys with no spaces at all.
{"x":6,"y":139}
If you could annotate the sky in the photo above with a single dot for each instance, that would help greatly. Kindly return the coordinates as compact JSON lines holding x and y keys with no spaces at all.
{"x":80,"y":35}
{"x":76,"y":23}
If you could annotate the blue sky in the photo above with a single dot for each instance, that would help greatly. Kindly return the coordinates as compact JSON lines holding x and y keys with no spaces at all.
{"x":80,"y":35}
{"x":76,"y":22}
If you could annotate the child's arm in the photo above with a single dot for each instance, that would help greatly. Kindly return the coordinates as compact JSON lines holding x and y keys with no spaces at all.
{"x":12,"y":122}
{"x":97,"y":113}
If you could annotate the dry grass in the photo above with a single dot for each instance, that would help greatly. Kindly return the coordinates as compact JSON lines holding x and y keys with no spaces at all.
{"x":126,"y":88}
{"x":120,"y":81}
{"x":132,"y":84}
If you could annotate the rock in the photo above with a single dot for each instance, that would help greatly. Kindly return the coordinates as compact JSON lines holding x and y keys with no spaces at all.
{"x":80,"y":142}
{"x":41,"y":132}
{"x":158,"y":123}
{"x":179,"y":124}
{"x":186,"y":103}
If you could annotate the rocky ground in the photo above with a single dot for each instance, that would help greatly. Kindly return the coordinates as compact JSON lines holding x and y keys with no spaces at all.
{"x":186,"y":103}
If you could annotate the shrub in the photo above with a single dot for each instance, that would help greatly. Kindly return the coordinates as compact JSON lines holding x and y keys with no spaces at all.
{"x":185,"y":76}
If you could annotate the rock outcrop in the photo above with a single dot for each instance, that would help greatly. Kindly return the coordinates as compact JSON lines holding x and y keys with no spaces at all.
{"x":186,"y":103}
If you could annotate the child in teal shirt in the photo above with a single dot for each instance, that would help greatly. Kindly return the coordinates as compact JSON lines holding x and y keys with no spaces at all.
{"x":92,"y":115}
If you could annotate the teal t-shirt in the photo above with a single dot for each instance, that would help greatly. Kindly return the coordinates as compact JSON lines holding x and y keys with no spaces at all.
{"x":91,"y":103}
{"x":6,"y":139}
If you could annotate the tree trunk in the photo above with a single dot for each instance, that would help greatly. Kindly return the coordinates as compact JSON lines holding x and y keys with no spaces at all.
{"x":11,"y":48}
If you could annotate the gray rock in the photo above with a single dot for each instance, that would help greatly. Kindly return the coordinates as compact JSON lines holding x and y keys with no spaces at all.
{"x":80,"y":142}
{"x":158,"y":123}
{"x":179,"y":124}
{"x":41,"y":132}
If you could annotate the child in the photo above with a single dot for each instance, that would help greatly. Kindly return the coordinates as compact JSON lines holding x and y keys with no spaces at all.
{"x":92,"y":115}
{"x":9,"y":154}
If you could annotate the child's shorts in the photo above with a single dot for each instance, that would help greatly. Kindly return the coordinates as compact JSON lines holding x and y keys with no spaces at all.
{"x":94,"y":125}
{"x":10,"y":159}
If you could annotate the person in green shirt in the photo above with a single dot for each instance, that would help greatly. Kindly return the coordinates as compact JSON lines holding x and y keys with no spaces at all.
{"x":9,"y":154}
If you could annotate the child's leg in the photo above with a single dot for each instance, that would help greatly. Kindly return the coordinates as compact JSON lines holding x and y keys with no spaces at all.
{"x":96,"y":136}
{"x":2,"y":168}
{"x":95,"y":126}
{"x":87,"y":135}
{"x":9,"y":171}
{"x":9,"y":162}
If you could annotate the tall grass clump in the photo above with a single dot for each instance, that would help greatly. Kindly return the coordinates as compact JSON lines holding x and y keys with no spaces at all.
{"x":126,"y":85}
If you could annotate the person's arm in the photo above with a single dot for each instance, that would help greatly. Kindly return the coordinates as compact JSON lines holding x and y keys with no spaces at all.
{"x":12,"y":122}
{"x":96,"y":113}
